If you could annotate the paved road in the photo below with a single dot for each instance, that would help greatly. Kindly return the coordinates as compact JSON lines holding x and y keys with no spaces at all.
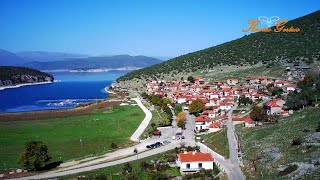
{"x":118,"y":157}
{"x":53,"y":174}
{"x":233,"y":148}
{"x":144,"y":124}
{"x":232,"y":170}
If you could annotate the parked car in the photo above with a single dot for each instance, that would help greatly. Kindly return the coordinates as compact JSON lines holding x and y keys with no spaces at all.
{"x":166,"y":142}
{"x":157,"y":144}
{"x":182,"y":137}
{"x":151,"y":146}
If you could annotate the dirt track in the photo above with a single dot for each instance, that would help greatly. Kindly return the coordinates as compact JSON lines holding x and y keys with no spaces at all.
{"x":63,"y":113}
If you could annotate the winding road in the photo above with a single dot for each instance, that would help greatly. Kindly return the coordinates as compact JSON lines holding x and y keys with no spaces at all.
{"x":144,"y":124}
{"x":230,"y":167}
{"x":119,"y":156}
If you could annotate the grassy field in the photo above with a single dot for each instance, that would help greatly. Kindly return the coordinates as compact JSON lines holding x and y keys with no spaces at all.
{"x":62,"y":136}
{"x":113,"y":172}
{"x":218,"y":142}
{"x":268,"y":150}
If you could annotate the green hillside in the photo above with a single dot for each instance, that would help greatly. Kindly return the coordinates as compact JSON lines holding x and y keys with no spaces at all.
{"x":267,"y":48}
{"x":11,"y":75}
{"x":269,"y":152}
{"x":6,"y":72}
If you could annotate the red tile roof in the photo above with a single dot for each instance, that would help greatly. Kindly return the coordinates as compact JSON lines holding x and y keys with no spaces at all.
{"x":202,"y":119}
{"x":273,"y":103}
{"x":214,"y":125}
{"x":221,"y":118}
{"x":207,"y":112}
{"x":195,"y":157}
{"x":242,"y":119}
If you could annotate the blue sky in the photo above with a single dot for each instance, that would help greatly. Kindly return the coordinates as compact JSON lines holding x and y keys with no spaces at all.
{"x":135,"y":27}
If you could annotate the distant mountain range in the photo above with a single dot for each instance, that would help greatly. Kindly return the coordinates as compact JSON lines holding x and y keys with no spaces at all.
{"x":109,"y":62}
{"x":10,"y":59}
{"x":44,"y":56}
{"x":50,"y":61}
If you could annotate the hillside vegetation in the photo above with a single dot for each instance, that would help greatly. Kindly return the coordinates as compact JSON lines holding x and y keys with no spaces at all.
{"x":6,"y":72}
{"x":269,"y":49}
{"x":285,"y":150}
{"x":11,"y":75}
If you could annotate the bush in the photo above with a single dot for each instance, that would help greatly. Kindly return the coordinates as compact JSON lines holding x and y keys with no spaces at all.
{"x":296,"y":142}
{"x":318,"y":129}
{"x":306,"y":130}
{"x":114,"y":145}
{"x":288,"y":170}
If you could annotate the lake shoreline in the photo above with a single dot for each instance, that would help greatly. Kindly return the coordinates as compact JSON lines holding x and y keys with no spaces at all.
{"x":24,"y":84}
{"x":109,"y":102}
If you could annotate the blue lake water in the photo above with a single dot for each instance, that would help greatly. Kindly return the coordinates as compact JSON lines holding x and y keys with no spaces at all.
{"x":70,"y":90}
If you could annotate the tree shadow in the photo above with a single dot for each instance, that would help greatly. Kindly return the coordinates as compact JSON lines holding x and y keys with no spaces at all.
{"x":51,"y":165}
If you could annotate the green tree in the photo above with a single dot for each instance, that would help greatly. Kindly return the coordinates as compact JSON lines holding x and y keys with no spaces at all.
{"x":144,"y":95}
{"x":181,"y":124}
{"x":191,"y":79}
{"x":165,"y":121}
{"x":275,"y":91}
{"x":35,"y":155}
{"x":258,"y":114}
{"x":177,"y":109}
{"x":167,"y":101}
{"x":196,"y":106}
{"x":155,"y":99}
{"x":244,"y":100}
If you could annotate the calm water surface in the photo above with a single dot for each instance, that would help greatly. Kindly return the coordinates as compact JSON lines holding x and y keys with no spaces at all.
{"x":70,"y":90}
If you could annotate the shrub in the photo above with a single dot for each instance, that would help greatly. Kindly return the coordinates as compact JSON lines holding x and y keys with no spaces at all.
{"x":114,"y":145}
{"x":288,"y":170}
{"x":296,"y":141}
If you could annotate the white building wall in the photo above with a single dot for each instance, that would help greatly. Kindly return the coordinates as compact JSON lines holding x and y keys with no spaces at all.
{"x":195,"y":165}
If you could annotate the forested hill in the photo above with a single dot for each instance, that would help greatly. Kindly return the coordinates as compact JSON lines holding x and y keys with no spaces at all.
{"x":11,"y":75}
{"x":268,"y":48}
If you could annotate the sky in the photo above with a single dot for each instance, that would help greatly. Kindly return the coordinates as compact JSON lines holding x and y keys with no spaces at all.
{"x":135,"y":27}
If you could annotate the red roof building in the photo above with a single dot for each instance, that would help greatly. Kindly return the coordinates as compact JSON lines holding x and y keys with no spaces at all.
{"x":195,"y":157}
{"x":202,"y":119}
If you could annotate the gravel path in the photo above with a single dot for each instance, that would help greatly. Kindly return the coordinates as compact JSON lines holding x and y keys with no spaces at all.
{"x":144,"y":124}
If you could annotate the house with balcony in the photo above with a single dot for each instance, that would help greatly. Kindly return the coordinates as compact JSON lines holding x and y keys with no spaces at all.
{"x":192,"y":162}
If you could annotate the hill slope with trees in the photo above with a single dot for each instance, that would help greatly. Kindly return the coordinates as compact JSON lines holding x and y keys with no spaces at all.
{"x":267,"y":48}
{"x":11,"y":75}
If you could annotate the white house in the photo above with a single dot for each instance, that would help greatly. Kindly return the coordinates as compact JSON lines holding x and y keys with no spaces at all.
{"x":191,"y":162}
{"x":226,"y":106}
{"x":181,"y":100}
{"x":202,"y":122}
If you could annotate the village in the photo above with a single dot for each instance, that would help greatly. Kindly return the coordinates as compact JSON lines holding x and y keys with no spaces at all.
{"x":219,"y":98}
